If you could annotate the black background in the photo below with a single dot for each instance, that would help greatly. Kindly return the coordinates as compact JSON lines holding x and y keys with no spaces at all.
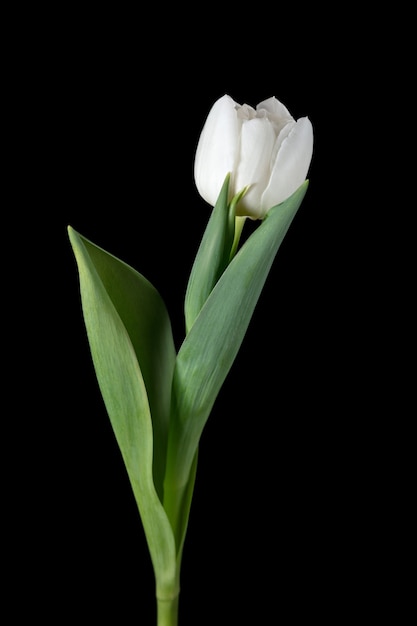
{"x":111,"y":110}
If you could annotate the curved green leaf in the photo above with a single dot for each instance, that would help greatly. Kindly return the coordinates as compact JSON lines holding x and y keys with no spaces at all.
{"x":147,"y":323}
{"x":212,"y":256}
{"x":133,"y":353}
{"x":210,"y":348}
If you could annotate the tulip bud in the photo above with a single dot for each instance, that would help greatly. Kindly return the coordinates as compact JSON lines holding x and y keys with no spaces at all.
{"x":265,"y":150}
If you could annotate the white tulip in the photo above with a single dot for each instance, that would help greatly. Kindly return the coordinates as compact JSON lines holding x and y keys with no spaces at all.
{"x":265,"y":150}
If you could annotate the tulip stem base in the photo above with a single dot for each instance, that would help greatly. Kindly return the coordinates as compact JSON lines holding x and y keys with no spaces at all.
{"x":167,"y":612}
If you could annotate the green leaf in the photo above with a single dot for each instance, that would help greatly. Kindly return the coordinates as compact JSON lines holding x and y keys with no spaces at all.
{"x":211,"y":346}
{"x":131,"y":343}
{"x":212,"y":256}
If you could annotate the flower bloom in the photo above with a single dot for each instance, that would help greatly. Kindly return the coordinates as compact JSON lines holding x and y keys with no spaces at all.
{"x":265,"y":150}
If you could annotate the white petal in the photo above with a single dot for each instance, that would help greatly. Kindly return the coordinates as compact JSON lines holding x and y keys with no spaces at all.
{"x":285,"y":131}
{"x":217,"y":148}
{"x":245,"y":112}
{"x":291,"y":163}
{"x":257,"y":140}
{"x":276,"y":111}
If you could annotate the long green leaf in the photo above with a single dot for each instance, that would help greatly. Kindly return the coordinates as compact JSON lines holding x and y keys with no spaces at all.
{"x":212,"y":256}
{"x":147,"y":323}
{"x":132,"y":349}
{"x":210,"y":348}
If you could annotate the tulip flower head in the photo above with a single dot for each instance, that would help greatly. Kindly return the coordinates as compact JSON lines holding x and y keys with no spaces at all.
{"x":265,"y":150}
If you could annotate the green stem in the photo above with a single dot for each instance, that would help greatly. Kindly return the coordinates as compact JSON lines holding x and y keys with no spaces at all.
{"x":239,"y":224}
{"x":167,"y":611}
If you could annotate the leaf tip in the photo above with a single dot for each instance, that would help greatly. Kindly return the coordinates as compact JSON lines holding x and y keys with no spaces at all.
{"x":71,"y":232}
